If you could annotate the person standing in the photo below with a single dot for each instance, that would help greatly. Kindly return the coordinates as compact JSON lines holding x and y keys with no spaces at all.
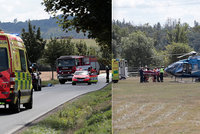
{"x":158,"y":74}
{"x":107,"y":74}
{"x":141,"y":75}
{"x":161,"y":73}
{"x":154,"y":74}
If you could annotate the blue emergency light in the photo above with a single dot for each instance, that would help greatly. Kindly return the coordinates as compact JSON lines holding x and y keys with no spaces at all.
{"x":16,"y":34}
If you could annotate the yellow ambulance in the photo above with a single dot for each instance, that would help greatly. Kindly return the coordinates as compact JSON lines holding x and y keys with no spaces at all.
{"x":115,"y":70}
{"x":15,"y":78}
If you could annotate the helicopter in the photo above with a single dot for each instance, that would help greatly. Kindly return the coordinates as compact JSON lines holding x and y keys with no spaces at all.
{"x":189,"y":67}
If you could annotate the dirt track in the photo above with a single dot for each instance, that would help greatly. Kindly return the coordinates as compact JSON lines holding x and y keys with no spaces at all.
{"x":156,"y":108}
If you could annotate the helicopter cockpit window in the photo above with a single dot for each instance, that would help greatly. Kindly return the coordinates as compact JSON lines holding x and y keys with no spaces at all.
{"x":187,"y":68}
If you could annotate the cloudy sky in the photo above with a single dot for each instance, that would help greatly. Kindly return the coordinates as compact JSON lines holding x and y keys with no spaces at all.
{"x":152,"y":11}
{"x":22,"y":10}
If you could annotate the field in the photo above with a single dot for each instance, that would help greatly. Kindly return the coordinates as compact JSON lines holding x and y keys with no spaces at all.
{"x":47,"y":75}
{"x":156,"y":108}
{"x":89,"y":42}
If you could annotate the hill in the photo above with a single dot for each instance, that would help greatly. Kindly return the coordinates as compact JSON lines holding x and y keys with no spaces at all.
{"x":49,"y":28}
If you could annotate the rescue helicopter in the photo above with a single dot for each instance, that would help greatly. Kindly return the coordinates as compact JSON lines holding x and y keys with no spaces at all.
{"x":189,"y":67}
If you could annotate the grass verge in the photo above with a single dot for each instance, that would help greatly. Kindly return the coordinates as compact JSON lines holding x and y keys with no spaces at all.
{"x":91,"y":113}
{"x":45,"y":83}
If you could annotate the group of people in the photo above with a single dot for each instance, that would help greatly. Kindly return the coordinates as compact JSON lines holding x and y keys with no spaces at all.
{"x":157,"y":74}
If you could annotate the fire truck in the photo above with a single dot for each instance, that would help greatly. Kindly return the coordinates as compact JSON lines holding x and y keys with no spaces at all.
{"x":67,"y":65}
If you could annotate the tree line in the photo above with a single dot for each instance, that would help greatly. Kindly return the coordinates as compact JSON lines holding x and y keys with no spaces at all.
{"x":45,"y":52}
{"x":154,"y":45}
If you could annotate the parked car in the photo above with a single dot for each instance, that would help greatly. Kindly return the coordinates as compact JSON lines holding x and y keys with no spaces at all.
{"x":81,"y":77}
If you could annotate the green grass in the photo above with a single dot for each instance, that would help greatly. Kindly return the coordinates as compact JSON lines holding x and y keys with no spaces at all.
{"x":45,"y":83}
{"x":91,"y":113}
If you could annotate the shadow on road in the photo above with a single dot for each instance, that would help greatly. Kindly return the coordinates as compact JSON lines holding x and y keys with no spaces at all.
{"x":6,"y":111}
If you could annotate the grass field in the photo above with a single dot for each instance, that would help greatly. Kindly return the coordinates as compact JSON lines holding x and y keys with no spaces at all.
{"x":156,"y":108}
{"x":89,"y":42}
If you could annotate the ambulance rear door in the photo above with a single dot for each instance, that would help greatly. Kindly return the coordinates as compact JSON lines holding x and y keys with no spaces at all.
{"x":4,"y":68}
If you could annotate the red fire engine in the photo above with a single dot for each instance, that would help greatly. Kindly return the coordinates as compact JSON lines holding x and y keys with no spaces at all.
{"x":67,"y":65}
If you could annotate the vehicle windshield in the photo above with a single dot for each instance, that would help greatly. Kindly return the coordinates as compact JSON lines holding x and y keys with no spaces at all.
{"x":3,"y":59}
{"x":66,"y":62}
{"x":81,"y":73}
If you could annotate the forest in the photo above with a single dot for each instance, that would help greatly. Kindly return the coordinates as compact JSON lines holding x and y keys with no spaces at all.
{"x":49,"y":28}
{"x":157,"y":45}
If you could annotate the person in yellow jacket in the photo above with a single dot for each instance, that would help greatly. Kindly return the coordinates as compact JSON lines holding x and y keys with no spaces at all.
{"x":161,"y":73}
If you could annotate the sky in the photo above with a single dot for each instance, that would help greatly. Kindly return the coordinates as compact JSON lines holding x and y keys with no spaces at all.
{"x":22,"y":10}
{"x":139,"y":12}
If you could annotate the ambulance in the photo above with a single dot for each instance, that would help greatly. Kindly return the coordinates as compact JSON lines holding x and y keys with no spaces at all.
{"x":15,"y":78}
{"x":115,"y":70}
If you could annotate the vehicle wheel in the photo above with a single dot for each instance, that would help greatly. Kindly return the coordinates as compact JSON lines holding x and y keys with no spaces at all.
{"x":35,"y":87}
{"x":89,"y":83}
{"x":40,"y":86}
{"x":62,"y":81}
{"x":15,"y":108}
{"x":115,"y":81}
{"x":29,"y":105}
{"x":73,"y":83}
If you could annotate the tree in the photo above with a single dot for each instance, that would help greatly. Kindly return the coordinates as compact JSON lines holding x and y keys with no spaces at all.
{"x":176,"y":49}
{"x":117,"y":34}
{"x":81,"y":48}
{"x":92,"y":16}
{"x":55,"y":49}
{"x":138,"y":49}
{"x":179,"y":34}
{"x":34,"y":42}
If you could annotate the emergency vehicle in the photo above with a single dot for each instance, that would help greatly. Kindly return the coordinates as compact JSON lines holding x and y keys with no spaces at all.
{"x":115,"y":70}
{"x":119,"y":69}
{"x":81,"y":77}
{"x":67,"y":65}
{"x":15,"y":78}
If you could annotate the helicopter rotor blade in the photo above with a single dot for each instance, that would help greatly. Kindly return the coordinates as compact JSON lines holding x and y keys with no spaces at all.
{"x":190,"y":53}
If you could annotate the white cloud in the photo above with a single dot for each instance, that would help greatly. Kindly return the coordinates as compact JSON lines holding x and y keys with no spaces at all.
{"x":22,"y":10}
{"x":153,"y":11}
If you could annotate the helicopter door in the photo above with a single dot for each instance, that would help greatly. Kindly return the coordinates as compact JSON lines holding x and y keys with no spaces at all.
{"x":187,"y":68}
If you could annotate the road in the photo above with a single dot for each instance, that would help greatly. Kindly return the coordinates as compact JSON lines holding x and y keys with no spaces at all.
{"x":44,"y":101}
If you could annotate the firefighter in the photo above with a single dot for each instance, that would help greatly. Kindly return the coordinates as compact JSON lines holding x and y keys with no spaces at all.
{"x":161,"y":73}
{"x":107,"y":74}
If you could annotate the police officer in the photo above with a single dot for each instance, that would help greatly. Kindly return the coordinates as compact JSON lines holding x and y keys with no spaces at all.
{"x":107,"y":74}
{"x":161,"y":73}
{"x":141,"y":75}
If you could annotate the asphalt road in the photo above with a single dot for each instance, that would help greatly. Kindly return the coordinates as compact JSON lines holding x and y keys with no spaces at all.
{"x":44,"y":101}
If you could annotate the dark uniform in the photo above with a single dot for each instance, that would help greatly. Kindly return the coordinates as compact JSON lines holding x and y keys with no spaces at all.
{"x":141,"y":75}
{"x":107,"y":74}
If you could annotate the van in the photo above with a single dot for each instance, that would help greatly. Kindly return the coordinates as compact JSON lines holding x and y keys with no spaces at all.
{"x":15,"y":78}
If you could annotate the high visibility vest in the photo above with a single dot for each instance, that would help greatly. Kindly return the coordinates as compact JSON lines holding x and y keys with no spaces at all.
{"x":162,"y":70}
